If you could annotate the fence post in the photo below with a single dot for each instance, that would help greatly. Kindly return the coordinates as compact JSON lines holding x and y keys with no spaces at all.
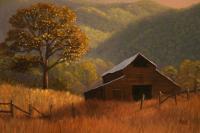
{"x":11,"y":108}
{"x":142,"y":101}
{"x":50,"y":110}
{"x":30,"y":110}
{"x":188,"y":91}
{"x":73,"y":111}
{"x":175,"y":99}
{"x":159,"y":98}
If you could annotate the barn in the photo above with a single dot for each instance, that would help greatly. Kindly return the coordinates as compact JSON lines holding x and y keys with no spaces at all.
{"x":132,"y":78}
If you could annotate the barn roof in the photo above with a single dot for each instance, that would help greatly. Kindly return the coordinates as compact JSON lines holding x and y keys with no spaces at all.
{"x":125,"y":63}
{"x":103,"y":84}
{"x":168,"y":78}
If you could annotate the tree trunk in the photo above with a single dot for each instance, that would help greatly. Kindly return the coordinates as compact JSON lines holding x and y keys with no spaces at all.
{"x":45,"y":68}
{"x":45,"y":78}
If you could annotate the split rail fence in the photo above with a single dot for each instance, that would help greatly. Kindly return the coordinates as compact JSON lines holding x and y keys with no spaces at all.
{"x":163,"y":97}
{"x":11,"y":107}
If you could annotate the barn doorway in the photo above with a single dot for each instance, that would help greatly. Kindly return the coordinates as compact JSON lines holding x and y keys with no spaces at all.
{"x":138,"y":90}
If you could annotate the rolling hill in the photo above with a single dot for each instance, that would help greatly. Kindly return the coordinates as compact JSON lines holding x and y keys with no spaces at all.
{"x":167,"y":38}
{"x":120,"y":29}
{"x":98,"y":20}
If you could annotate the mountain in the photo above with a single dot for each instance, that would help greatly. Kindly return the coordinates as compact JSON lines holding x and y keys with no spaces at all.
{"x":168,"y":38}
{"x":118,"y":29}
{"x":98,"y":20}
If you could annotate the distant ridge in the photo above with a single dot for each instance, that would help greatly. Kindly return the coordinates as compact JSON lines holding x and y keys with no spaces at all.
{"x":168,"y":38}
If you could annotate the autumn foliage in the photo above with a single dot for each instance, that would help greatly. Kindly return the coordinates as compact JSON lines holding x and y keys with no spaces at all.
{"x":49,"y":33}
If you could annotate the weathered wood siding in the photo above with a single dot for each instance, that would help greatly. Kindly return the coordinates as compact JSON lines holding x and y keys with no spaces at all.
{"x":139,"y":76}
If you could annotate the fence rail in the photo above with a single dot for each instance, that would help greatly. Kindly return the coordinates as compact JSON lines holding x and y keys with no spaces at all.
{"x":12,"y":106}
{"x":162,"y":98}
{"x":187,"y":92}
{"x":29,"y":113}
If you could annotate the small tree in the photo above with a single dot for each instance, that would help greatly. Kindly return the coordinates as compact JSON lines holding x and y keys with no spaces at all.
{"x":48,"y":32}
{"x":171,"y":72}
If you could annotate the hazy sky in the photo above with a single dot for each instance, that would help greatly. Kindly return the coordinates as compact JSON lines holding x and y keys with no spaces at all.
{"x":171,"y":3}
{"x":178,"y":3}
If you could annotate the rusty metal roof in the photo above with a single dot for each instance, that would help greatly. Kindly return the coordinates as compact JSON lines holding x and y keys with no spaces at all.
{"x":125,"y":63}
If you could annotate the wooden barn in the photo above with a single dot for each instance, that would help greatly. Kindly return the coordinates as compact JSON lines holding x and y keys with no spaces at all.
{"x":132,"y":78}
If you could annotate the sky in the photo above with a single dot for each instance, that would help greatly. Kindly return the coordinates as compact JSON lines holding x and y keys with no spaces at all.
{"x":178,"y":3}
{"x":170,"y":3}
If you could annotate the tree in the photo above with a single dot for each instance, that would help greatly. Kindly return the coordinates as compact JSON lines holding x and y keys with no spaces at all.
{"x":85,"y":72}
{"x":189,"y":74}
{"x":48,"y":32}
{"x":170,"y":71}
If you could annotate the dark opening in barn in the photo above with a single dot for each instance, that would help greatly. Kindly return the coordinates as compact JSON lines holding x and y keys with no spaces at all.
{"x":140,"y":62}
{"x":139,"y":90}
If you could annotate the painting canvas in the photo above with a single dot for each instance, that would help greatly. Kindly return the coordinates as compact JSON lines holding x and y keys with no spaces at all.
{"x":99,"y":66}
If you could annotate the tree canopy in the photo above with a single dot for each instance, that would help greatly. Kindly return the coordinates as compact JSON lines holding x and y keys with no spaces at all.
{"x":49,"y":33}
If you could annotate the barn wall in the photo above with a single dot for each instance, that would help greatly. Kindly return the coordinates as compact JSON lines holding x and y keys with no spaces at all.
{"x":98,"y":93}
{"x":133,"y":76}
{"x":146,"y":76}
{"x":139,"y":76}
{"x":119,"y":86}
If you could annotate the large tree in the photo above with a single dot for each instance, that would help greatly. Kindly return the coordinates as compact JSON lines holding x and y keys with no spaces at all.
{"x":46,"y":32}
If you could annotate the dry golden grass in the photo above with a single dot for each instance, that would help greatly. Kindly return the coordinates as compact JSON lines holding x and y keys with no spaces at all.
{"x":41,"y":99}
{"x":101,"y":117}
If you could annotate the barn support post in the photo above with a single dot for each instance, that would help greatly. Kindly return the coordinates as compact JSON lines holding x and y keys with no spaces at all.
{"x":142,"y":101}
{"x":175,"y":99}
{"x":11,"y":108}
{"x":188,"y":92}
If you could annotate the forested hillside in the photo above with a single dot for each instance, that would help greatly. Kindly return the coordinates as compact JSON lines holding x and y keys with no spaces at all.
{"x":167,"y":38}
{"x":99,"y":21}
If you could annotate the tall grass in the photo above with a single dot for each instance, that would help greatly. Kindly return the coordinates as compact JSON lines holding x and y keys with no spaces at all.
{"x":99,"y":116}
{"x":41,"y":99}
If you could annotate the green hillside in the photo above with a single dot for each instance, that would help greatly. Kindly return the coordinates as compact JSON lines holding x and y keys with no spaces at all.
{"x":167,"y":38}
{"x":99,"y":21}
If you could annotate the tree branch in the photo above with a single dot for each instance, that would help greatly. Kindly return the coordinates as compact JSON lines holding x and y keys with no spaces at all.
{"x":60,"y":60}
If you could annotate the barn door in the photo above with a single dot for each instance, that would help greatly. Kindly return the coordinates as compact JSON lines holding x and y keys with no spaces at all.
{"x":139,"y":90}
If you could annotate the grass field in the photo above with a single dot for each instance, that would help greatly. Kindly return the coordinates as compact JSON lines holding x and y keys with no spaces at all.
{"x":98,"y":116}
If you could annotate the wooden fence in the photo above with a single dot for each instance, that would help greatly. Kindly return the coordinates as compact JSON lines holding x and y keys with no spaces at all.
{"x":163,"y":97}
{"x":186,"y":92}
{"x":12,"y":107}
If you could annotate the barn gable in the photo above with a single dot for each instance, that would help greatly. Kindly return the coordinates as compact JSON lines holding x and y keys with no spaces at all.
{"x":127,"y":62}
{"x":137,"y":60}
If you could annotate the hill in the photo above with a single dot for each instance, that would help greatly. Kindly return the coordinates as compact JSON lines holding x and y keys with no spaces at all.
{"x":98,"y":20}
{"x":41,"y":99}
{"x":167,"y":38}
{"x":98,"y":116}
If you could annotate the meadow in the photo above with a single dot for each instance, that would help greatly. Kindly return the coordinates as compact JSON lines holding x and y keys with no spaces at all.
{"x":97,"y":116}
